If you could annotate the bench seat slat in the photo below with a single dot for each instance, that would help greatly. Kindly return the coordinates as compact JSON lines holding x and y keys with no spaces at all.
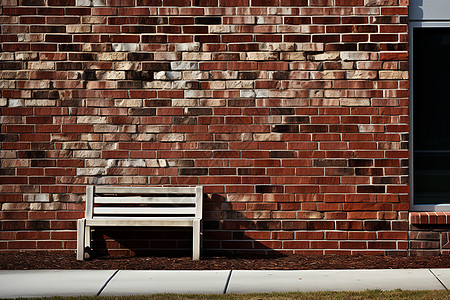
{"x":144,"y":211}
{"x":140,"y":222}
{"x":129,"y":200}
{"x":144,"y":190}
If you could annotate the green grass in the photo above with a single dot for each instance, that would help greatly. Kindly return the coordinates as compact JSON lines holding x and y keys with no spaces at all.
{"x":372,"y":294}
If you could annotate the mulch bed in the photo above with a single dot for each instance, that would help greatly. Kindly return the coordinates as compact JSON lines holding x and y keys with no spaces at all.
{"x":64,"y":260}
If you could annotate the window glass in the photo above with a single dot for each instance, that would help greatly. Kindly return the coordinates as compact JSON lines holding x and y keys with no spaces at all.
{"x":431,"y":115}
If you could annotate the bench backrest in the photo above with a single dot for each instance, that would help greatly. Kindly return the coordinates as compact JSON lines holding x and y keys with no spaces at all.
{"x":129,"y":202}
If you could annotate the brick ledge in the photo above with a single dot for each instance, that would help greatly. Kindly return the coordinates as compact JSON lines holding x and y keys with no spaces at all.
{"x":429,"y":218}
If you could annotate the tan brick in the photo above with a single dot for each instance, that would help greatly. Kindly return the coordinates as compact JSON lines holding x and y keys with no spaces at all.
{"x":392,"y":75}
{"x":98,"y":85}
{"x":380,"y":2}
{"x":7,"y":56}
{"x":261,"y":56}
{"x":184,"y":65}
{"x":91,"y":120}
{"x":267,"y":137}
{"x":184,"y":85}
{"x":168,"y":75}
{"x":324,"y":56}
{"x":197,"y":94}
{"x":47,"y":206}
{"x":360,"y":74}
{"x":367,"y":11}
{"x":310,"y":215}
{"x":103,"y":146}
{"x":114,"y":128}
{"x":371,"y":128}
{"x":144,"y":137}
{"x":34,"y":84}
{"x":312,"y":29}
{"x":41,"y":65}
{"x":158,"y":85}
{"x":282,"y":11}
{"x":218,"y":85}
{"x":30,"y":37}
{"x":132,"y":180}
{"x":7,"y":84}
{"x":128,"y":102}
{"x":328,"y":75}
{"x":15,"y":163}
{"x":126,"y":65}
{"x":182,"y":47}
{"x":288,"y":29}
{"x":185,"y":102}
{"x":78,"y":28}
{"x":26,"y":56}
{"x":111,"y":56}
{"x":90,"y":171}
{"x":247,"y":94}
{"x":16,"y":206}
{"x":196,"y":56}
{"x":86,"y":154}
{"x":195,"y":75}
{"x":277,"y":47}
{"x":354,"y":102}
{"x":125,"y":47}
{"x":93,"y":20}
{"x":154,"y":128}
{"x":15,"y":75}
{"x":293,"y":56}
{"x":40,"y":102}
{"x":173,"y":137}
{"x":99,"y":163}
{"x":156,"y":163}
{"x":75,"y":145}
{"x":167,"y":56}
{"x":110,"y":75}
{"x":223,"y":28}
{"x":36,"y":197}
{"x":355,"y":56}
{"x":241,"y":84}
{"x":101,"y":47}
{"x":91,"y":2}
{"x":89,"y":137}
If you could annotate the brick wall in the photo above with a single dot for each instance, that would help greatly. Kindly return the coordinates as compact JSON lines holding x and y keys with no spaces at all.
{"x":429,"y":233}
{"x":293,"y":115}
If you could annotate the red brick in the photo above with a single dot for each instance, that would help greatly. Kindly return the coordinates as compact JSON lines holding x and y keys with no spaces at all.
{"x":22,"y":245}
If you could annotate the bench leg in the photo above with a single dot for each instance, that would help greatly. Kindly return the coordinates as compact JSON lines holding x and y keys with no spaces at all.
{"x":81,"y":234}
{"x":196,"y":240}
{"x":87,"y":237}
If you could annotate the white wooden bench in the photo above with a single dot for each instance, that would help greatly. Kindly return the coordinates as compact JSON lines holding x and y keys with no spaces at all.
{"x":140,"y":206}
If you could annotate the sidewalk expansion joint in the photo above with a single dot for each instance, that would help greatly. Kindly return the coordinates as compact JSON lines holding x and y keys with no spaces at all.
{"x":438,"y":279}
{"x":106,"y":283}
{"x":227,"y":282}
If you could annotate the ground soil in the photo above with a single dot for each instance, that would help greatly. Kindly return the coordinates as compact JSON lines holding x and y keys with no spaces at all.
{"x":65,"y":260}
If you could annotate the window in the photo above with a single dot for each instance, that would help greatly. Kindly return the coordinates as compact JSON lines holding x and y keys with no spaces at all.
{"x":431,"y":115}
{"x":430,"y":105}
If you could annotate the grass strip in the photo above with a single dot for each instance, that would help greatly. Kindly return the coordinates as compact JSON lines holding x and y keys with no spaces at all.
{"x":370,"y":294}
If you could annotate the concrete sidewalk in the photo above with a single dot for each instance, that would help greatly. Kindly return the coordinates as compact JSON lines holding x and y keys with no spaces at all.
{"x":42,"y":283}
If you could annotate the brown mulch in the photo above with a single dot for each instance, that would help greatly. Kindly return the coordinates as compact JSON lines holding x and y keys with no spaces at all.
{"x":64,"y":260}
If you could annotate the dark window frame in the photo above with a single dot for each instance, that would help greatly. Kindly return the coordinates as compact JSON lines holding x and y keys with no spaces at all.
{"x":413,"y":206}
